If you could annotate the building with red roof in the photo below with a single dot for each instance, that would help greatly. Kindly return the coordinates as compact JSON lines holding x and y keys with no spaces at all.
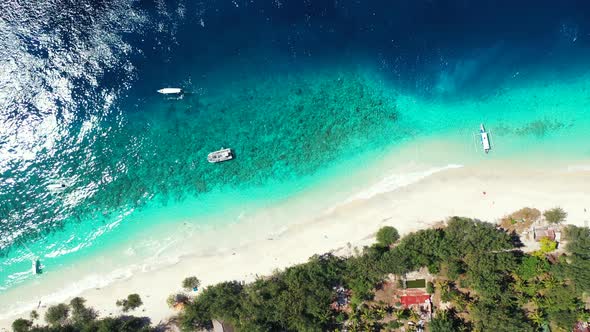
{"x":408,"y":300}
{"x":419,"y":301}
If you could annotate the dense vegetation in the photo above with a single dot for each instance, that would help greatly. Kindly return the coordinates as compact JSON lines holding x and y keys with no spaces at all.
{"x":76,"y":316}
{"x":489,"y":284}
{"x":387,"y":236}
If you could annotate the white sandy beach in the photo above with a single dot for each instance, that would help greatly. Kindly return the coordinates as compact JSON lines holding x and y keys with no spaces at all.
{"x":409,"y":196}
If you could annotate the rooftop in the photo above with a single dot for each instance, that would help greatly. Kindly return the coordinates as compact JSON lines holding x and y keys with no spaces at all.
{"x":544,"y":233}
{"x":408,"y":300}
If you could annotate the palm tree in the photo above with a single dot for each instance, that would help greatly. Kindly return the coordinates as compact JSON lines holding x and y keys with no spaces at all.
{"x":366,"y":316}
{"x":537,"y":318}
{"x":355,"y":317}
{"x":380,"y":312}
{"x":550,"y":282}
{"x":519,"y":284}
{"x":414,"y":316}
{"x":399,"y":313}
{"x":445,"y":289}
{"x":539,"y":301}
{"x":442,"y":314}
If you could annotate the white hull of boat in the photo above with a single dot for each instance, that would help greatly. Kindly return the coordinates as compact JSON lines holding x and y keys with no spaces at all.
{"x":220,"y":155}
{"x":170,"y":91}
{"x":35,"y":266}
{"x":485,"y":140}
{"x":57,"y":187}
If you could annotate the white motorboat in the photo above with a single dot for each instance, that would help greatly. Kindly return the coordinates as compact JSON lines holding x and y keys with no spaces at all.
{"x":57,"y":187}
{"x":171,"y":91}
{"x":220,"y":155}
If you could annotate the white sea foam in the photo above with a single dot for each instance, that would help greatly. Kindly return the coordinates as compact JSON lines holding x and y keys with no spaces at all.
{"x":73,"y":289}
{"x":396,"y":181}
{"x":97,"y":280}
{"x":64,"y":251}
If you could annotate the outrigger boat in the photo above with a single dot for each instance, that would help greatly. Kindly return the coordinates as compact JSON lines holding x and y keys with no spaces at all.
{"x":485,"y":139}
{"x":220,"y":155}
{"x":35,"y":265}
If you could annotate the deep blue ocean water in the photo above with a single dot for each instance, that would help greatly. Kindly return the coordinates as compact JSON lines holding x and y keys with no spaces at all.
{"x":294,"y":87}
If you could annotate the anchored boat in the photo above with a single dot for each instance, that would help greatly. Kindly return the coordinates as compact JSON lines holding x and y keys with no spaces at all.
{"x":220,"y":155}
{"x":171,"y":91}
{"x":35,"y":265}
{"x":485,"y":139}
{"x":57,"y":187}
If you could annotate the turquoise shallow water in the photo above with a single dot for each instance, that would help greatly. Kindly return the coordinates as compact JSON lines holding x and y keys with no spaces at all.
{"x":276,"y":150}
{"x":302,"y":93}
{"x":289,"y":148}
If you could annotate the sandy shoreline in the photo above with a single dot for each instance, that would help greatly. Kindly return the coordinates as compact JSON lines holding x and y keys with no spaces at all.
{"x":258,"y":245}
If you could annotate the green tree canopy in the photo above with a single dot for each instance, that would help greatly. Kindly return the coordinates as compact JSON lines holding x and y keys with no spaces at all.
{"x":191,"y":283}
{"x":447,"y":321}
{"x":387,"y":236}
{"x":22,"y":325}
{"x":299,"y":298}
{"x":490,"y":316}
{"x":81,"y":315}
{"x":219,"y":301}
{"x":489,"y":273}
{"x":555,"y":215}
{"x":465,"y":236}
{"x":547,"y":246}
{"x":422,"y":248}
{"x":57,"y":315}
{"x":174,"y":299}
{"x":120,"y":324}
{"x":361,"y":272}
{"x":532,"y":266}
{"x":83,"y":319}
{"x":577,"y":266}
{"x":133,"y":301}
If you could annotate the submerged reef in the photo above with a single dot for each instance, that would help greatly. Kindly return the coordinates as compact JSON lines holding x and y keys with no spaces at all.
{"x":537,"y":128}
{"x":280,"y":127}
